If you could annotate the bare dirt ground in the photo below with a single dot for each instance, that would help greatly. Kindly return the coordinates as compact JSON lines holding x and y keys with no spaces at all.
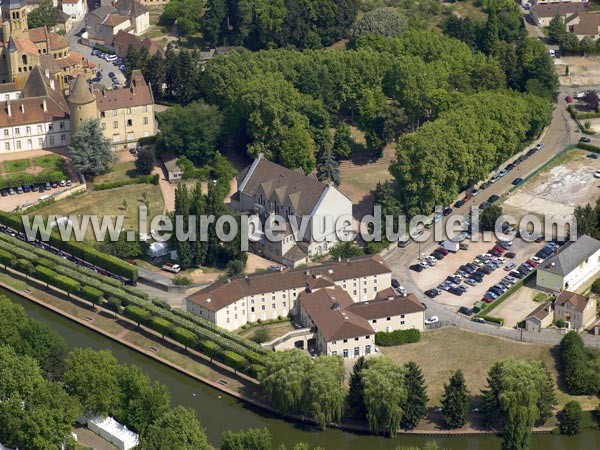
{"x":518,"y":306}
{"x":559,"y":189}
{"x":583,"y":71}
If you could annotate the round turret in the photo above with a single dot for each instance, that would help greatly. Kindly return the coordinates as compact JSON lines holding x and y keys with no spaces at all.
{"x":82,"y":103}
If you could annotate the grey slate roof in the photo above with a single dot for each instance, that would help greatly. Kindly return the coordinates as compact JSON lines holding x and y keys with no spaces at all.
{"x":571,"y":256}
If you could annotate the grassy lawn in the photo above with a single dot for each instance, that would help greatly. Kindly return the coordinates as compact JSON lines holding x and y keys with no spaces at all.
{"x":17,"y":165}
{"x":48,"y":162}
{"x":118,"y":172}
{"x":440,"y":353}
{"x":274,"y":330}
{"x":110,"y":203}
{"x":468,"y":9}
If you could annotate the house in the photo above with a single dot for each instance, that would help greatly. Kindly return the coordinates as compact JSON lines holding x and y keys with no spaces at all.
{"x":348,"y":329}
{"x":137,"y":13}
{"x":64,"y":22}
{"x":572,"y":266}
{"x":539,"y":318}
{"x":105,"y":22}
{"x":126,"y":114}
{"x":266,"y":189}
{"x":578,"y":311}
{"x":174,"y":172}
{"x":244,"y":299}
{"x":34,"y":116}
{"x":123,"y":40}
{"x":543,"y":13}
{"x":584,"y":24}
{"x":75,"y":8}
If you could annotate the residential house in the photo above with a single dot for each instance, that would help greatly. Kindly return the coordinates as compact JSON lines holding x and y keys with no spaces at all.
{"x":174,"y":172}
{"x":102,"y":24}
{"x":244,"y":299}
{"x":34,"y":116}
{"x":540,"y":318}
{"x":266,"y":189}
{"x":138,"y":14}
{"x":573,"y":265}
{"x":64,"y":22}
{"x":543,"y":13}
{"x":578,"y":311}
{"x":75,"y":8}
{"x":123,"y":40}
{"x":584,"y":24}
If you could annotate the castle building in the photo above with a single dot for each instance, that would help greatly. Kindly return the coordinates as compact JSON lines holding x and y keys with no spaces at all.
{"x":125,"y":114}
{"x":22,"y":49}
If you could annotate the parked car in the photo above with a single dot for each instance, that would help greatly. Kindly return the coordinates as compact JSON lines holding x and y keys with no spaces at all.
{"x":26,"y":189}
{"x":447,"y":211}
{"x":502,"y":173}
{"x":4,"y":192}
{"x":466,"y":311}
{"x":539,"y":146}
{"x":493,"y":198}
{"x":416,"y":268}
{"x":516,"y":274}
{"x":459,"y":203}
{"x":478,"y":320}
{"x":484,"y":205}
{"x":456,"y":291}
{"x":597,"y":174}
{"x":593,"y":155}
{"x":585,"y":139}
{"x":509,"y":255}
{"x":11,"y":191}
{"x":20,"y":190}
{"x":431,"y":320}
{"x":474,"y":192}
{"x":485,"y":185}
{"x":433,"y":292}
{"x":509,"y":267}
{"x":395,"y":283}
{"x":494,"y":178}
{"x":517,"y":181}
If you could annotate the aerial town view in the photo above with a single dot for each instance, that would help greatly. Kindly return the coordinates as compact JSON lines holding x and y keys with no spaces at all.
{"x":300,"y":224}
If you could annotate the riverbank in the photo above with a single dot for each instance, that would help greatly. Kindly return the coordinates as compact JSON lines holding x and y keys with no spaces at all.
{"x":190,"y":363}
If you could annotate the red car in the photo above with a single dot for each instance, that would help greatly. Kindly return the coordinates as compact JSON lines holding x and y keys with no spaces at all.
{"x":487,"y":299}
{"x":509,"y":255}
{"x":531,"y":263}
{"x":441,"y":250}
{"x":494,"y":252}
{"x":467,"y":198}
{"x":499,"y":249}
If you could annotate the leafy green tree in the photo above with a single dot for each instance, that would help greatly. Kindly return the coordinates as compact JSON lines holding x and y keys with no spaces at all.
{"x":382,"y":21}
{"x":7,"y":259}
{"x":250,"y":439}
{"x":122,"y":247}
{"x":489,"y":216}
{"x":342,"y":141}
{"x":346,"y":250}
{"x":213,"y":22}
{"x":355,"y":399}
{"x":283,"y":379}
{"x":90,"y":150}
{"x":456,"y":401}
{"x":327,"y":167}
{"x":178,"y":429}
{"x":25,"y":266}
{"x":416,"y":395}
{"x":12,"y":321}
{"x":587,"y":220}
{"x":46,"y":346}
{"x":45,"y":15}
{"x":384,"y":394}
{"x":570,"y":420}
{"x":556,"y":30}
{"x":91,"y":377}
{"x":144,"y":162}
{"x":325,"y":392}
{"x":192,"y":131}
{"x":490,"y":35}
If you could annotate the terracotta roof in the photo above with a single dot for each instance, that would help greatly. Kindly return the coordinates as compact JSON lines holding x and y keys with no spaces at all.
{"x":49,"y":63}
{"x":138,"y":93}
{"x":588,"y":24}
{"x":223,"y":293}
{"x":39,"y":34}
{"x":57,"y":42}
{"x":329,"y":309}
{"x":571,"y":255}
{"x":25,"y":46}
{"x":112,"y":20}
{"x":578,"y":302}
{"x":280,"y":185}
{"x":541,"y":312}
{"x":389,"y":307}
{"x":564,"y":8}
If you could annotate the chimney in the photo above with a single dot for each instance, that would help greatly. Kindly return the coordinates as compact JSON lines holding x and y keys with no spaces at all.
{"x":47,"y":73}
{"x":52,"y":84}
{"x":22,"y":108}
{"x":8,"y":109}
{"x":44,"y":105}
{"x":390,"y":297}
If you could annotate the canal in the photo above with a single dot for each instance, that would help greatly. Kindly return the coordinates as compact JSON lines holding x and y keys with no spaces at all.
{"x":219,"y":412}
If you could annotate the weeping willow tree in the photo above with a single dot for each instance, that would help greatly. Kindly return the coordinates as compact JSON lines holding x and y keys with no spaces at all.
{"x":325,"y":394}
{"x":519,"y":394}
{"x":384,"y":395}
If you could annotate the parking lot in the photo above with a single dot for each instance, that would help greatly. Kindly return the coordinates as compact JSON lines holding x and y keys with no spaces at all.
{"x":449,"y":265}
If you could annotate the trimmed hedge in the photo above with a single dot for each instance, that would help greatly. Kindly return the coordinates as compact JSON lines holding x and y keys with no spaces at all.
{"x":585,"y":146}
{"x":69,"y":285}
{"x":143,"y":179}
{"x":485,"y":311}
{"x":92,"y":294}
{"x":210,"y":348}
{"x":234,"y":360}
{"x":183,"y":336}
{"x":580,"y":116}
{"x":161,"y":325}
{"x":7,"y":259}
{"x":397,"y":337}
{"x":137,"y":314}
{"x":492,"y":319}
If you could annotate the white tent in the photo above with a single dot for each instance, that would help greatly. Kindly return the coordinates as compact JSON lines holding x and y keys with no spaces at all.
{"x":113,"y":432}
{"x":157,"y":249}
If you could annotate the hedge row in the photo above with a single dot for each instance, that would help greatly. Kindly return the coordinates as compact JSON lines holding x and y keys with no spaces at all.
{"x":143,"y":179}
{"x":485,"y":311}
{"x":579,"y":115}
{"x":59,"y":260}
{"x":397,"y":337}
{"x":26,"y":179}
{"x":48,"y":276}
{"x":590,"y":147}
{"x":79,"y":250}
{"x":492,"y":319}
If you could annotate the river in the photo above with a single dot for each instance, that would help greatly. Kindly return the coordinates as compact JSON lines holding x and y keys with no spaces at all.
{"x":219,"y":412}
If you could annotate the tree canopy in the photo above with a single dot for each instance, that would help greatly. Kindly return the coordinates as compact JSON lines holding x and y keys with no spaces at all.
{"x":90,"y":151}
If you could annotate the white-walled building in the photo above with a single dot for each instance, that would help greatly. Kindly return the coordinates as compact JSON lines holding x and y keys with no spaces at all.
{"x":576,"y":310}
{"x":266,"y":189}
{"x":234,"y":302}
{"x":35,"y":117}
{"x":572,"y":266}
{"x":75,"y":8}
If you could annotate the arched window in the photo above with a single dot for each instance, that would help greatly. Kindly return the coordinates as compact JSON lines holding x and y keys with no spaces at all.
{"x":24,"y":58}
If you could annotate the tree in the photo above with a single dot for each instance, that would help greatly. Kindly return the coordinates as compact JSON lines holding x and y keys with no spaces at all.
{"x":346,"y":250}
{"x":7,"y":259}
{"x":456,"y":401}
{"x":122,"y":247}
{"x":251,"y":439}
{"x":355,"y":398}
{"x":416,"y":395}
{"x":45,"y":15}
{"x":144,"y":163}
{"x":91,"y":376}
{"x":49,"y":349}
{"x":570,"y":420}
{"x":12,"y":321}
{"x":342,"y":142}
{"x":384,"y":394}
{"x":382,"y":22}
{"x":325,"y":392}
{"x":556,"y":30}
{"x":90,"y":151}
{"x":327,"y":167}
{"x":178,"y":429}
{"x":587,"y":220}
{"x":591,"y":99}
{"x":25,"y":266}
{"x":490,"y":35}
{"x":580,"y":375}
{"x":283,"y":379}
{"x":489,"y":216}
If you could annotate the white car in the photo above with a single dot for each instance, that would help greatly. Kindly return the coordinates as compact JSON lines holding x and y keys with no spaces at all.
{"x":537,"y":260}
{"x":597,"y":174}
{"x":431,"y":320}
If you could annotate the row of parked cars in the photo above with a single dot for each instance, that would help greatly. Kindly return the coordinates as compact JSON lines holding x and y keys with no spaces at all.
{"x":35,"y":188}
{"x":431,"y":260}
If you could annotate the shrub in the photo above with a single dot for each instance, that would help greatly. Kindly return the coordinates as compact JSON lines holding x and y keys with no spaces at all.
{"x":397,"y":337}
{"x":260,"y":336}
{"x":7,"y":259}
{"x":161,"y":325}
{"x":181,"y":280}
{"x":493,"y":319}
{"x":209,"y":348}
{"x":234,"y":360}
{"x":560,"y":323}
{"x":570,"y":420}
{"x":114,"y":304}
{"x":138,"y":315}
{"x":92,"y":294}
{"x":596,"y":285}
{"x":185,"y":337}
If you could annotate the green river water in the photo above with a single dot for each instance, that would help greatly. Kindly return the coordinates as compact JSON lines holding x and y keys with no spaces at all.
{"x":219,"y":412}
